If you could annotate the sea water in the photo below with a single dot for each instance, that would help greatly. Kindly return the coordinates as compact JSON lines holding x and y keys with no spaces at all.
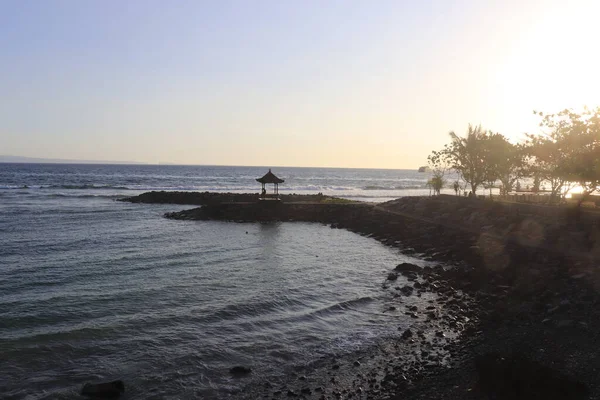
{"x":92,"y":289}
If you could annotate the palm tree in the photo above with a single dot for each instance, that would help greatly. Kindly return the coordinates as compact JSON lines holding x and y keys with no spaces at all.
{"x":467,"y":155}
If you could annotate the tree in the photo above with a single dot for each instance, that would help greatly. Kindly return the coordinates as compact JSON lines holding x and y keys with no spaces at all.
{"x":569,"y":150}
{"x":437,"y":181}
{"x":581,"y":133}
{"x":466,"y":155}
{"x":548,"y":154}
{"x":506,"y":162}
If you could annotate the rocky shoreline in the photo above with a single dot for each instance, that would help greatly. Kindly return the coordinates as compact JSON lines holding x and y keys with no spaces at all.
{"x":212,"y":198}
{"x":521,"y":300}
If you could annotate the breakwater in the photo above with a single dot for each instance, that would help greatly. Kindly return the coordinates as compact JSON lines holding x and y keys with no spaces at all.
{"x":209,"y":198}
{"x":264,"y":211}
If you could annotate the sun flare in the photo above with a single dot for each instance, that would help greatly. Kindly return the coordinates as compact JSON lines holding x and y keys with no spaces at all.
{"x":556,"y":61}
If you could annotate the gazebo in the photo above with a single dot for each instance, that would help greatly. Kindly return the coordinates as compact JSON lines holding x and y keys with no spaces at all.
{"x":270,"y":178}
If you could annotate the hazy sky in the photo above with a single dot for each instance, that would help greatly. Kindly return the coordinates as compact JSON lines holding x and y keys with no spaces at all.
{"x":284,"y":82}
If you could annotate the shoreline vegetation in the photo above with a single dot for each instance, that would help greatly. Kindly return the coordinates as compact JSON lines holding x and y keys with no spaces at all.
{"x":517,"y":311}
{"x":564,"y":157}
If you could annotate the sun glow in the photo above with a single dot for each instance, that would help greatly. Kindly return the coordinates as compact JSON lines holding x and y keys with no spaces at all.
{"x":559,"y":56}
{"x":554,"y":63}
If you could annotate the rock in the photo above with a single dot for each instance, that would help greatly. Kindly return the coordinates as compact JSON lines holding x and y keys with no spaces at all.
{"x":407,"y":290}
{"x":565,"y":323}
{"x":392,"y":276}
{"x":513,"y":376}
{"x":552,"y":310}
{"x":239,"y":370}
{"x":408,"y":268}
{"x":357,"y":363}
{"x":108,"y":390}
{"x":306,"y":391}
{"x":407,"y":333}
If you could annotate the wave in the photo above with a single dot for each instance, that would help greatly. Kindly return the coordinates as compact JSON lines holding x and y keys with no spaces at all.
{"x":211,"y":188}
{"x":87,"y":196}
{"x":368,"y":196}
{"x":85,"y":186}
{"x":64,"y":187}
{"x":12,"y":187}
{"x":401,"y":187}
{"x":342,"y":306}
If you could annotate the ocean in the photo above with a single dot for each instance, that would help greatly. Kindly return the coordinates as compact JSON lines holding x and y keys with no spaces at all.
{"x":92,"y":289}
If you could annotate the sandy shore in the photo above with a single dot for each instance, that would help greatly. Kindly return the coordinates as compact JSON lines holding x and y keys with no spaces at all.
{"x":516,"y":316}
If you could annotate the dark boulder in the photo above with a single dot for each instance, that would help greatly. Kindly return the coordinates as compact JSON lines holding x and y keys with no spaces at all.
{"x":408,"y":268}
{"x":239,"y":370}
{"x":411,"y":276}
{"x":105,"y":390}
{"x":392,"y":276}
{"x":407,"y":290}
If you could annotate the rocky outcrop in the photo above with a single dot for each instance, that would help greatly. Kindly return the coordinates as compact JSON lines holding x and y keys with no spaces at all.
{"x":240,"y":370}
{"x":211,"y":198}
{"x":105,"y":390}
{"x":275,"y":211}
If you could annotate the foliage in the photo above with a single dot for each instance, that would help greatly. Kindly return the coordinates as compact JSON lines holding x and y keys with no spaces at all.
{"x":548,"y":153}
{"x":506,"y":162}
{"x":568,"y":150}
{"x":469,"y":156}
{"x":437,"y":181}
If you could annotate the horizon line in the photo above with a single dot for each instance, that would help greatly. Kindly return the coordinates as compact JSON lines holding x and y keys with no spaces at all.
{"x":37,"y":160}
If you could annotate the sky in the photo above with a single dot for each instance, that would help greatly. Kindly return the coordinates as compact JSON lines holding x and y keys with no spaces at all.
{"x":323,"y":83}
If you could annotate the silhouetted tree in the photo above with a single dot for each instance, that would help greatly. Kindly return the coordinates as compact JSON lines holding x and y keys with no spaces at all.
{"x":569,"y":150}
{"x":466,"y":155}
{"x":548,"y":154}
{"x":506,"y":162}
{"x":437,"y":181}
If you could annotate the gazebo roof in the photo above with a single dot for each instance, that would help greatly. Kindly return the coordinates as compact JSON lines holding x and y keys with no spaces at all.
{"x":270,"y":178}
